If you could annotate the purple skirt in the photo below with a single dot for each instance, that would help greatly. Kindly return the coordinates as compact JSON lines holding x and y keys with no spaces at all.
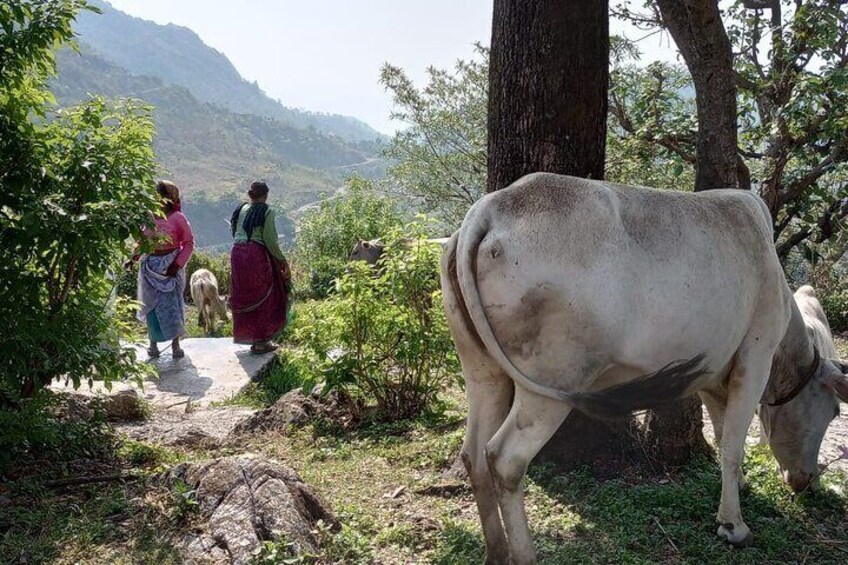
{"x":258,"y":297}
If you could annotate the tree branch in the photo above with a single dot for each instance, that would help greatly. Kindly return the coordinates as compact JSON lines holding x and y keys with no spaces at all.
{"x":795,"y":189}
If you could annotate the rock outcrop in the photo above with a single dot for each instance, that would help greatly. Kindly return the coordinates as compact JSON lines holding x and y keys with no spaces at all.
{"x":248,"y":500}
{"x":298,"y":409}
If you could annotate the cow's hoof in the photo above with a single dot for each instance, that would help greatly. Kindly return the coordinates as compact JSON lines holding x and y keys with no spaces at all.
{"x":738,"y":536}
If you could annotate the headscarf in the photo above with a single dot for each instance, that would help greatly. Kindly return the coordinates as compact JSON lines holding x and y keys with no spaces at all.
{"x":255,"y":218}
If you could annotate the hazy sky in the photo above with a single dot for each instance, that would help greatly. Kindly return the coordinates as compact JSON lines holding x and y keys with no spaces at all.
{"x":325,"y":55}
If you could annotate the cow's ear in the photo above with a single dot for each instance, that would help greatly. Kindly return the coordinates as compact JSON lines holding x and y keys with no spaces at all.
{"x":837,"y":379}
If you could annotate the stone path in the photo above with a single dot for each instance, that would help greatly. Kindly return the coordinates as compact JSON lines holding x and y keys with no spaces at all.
{"x":213,"y":369}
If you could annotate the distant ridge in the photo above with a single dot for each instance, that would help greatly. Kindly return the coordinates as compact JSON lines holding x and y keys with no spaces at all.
{"x":177,"y":56}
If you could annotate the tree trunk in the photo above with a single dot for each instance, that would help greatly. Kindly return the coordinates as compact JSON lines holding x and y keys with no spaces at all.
{"x":700,"y":36}
{"x":548,"y":80}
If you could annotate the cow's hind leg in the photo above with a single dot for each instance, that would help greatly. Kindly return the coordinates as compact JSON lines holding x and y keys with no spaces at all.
{"x":532,"y":421}
{"x":489,"y":391}
{"x":746,"y":384}
{"x":488,"y":403}
{"x":716,"y":407}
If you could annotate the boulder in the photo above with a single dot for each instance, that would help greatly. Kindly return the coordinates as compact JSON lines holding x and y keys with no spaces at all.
{"x":124,"y":406}
{"x":298,"y":409}
{"x":121,"y":406}
{"x":248,"y":500}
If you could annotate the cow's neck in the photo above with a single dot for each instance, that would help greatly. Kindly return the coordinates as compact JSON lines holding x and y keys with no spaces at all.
{"x":792,"y":361}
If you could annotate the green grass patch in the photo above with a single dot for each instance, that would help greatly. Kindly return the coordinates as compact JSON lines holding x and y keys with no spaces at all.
{"x":109,"y":523}
{"x":286,"y":374}
{"x":574,"y":518}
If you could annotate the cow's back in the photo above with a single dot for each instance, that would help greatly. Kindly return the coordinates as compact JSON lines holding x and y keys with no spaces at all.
{"x":573,"y":261}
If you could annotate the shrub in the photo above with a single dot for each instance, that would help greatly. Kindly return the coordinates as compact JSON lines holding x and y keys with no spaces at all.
{"x":383,"y":338}
{"x":32,"y":431}
{"x":76,"y":189}
{"x":326,"y":236}
{"x":834,"y":300}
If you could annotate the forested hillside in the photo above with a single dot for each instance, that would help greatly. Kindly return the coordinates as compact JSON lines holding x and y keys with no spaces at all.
{"x":215,"y":132}
{"x":179,"y":57}
{"x":211,"y":153}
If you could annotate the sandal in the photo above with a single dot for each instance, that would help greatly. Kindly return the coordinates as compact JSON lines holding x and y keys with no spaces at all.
{"x":153,"y":352}
{"x":263,"y":348}
{"x":178,"y":353}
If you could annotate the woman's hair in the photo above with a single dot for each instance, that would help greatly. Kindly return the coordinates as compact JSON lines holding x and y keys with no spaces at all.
{"x":258,"y":189}
{"x":170,"y":193}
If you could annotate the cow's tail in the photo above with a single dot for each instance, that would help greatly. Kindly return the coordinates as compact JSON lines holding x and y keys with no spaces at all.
{"x":672,"y":382}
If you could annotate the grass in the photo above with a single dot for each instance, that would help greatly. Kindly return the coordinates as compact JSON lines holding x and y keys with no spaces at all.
{"x":95,"y":524}
{"x":374,"y":480}
{"x":283,"y":376}
{"x":574,"y":517}
{"x":107,"y":522}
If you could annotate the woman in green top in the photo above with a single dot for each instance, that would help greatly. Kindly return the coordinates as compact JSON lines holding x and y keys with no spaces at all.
{"x":260,"y":274}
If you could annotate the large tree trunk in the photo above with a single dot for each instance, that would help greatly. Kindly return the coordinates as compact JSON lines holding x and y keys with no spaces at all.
{"x":548,"y":80}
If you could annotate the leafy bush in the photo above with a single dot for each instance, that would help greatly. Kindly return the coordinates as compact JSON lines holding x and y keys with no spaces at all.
{"x":326,"y":236}
{"x":381,"y":335}
{"x":832,"y":291}
{"x":76,"y":189}
{"x":32,"y":431}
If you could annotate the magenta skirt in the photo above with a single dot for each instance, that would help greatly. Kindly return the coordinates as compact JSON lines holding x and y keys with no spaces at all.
{"x":258,"y":297}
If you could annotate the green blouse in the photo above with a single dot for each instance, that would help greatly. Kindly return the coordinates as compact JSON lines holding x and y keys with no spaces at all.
{"x":267,"y":236}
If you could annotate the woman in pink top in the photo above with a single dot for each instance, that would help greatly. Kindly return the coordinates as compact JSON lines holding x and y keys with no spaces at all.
{"x":161,"y":276}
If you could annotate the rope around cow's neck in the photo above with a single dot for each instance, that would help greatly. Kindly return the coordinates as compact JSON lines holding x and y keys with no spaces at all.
{"x":802,"y":383}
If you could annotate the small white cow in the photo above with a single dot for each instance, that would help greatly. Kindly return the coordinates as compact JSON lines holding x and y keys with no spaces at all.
{"x":204,"y":293}
{"x":563,"y":293}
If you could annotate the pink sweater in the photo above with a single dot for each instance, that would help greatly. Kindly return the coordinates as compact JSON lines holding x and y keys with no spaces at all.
{"x":178,"y":235}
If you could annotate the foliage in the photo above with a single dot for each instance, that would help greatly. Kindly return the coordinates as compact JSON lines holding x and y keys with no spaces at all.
{"x":76,"y":188}
{"x":32,"y":431}
{"x":382,"y":336}
{"x":651,"y":109}
{"x":791,"y":67}
{"x":831,"y":284}
{"x":327,"y":235}
{"x":440,"y":159}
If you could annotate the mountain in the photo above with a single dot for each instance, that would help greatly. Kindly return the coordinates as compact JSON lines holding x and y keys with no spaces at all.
{"x":179,"y":57}
{"x":212,"y":153}
{"x":215,"y":132}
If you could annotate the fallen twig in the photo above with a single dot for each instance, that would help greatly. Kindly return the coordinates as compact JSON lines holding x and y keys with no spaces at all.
{"x":665,"y":533}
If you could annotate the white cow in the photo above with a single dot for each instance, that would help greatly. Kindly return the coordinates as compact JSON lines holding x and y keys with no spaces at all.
{"x":204,"y":293}
{"x":588,"y":295}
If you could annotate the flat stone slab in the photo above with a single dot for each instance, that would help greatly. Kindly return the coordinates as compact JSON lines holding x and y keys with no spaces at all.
{"x":213,"y":369}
